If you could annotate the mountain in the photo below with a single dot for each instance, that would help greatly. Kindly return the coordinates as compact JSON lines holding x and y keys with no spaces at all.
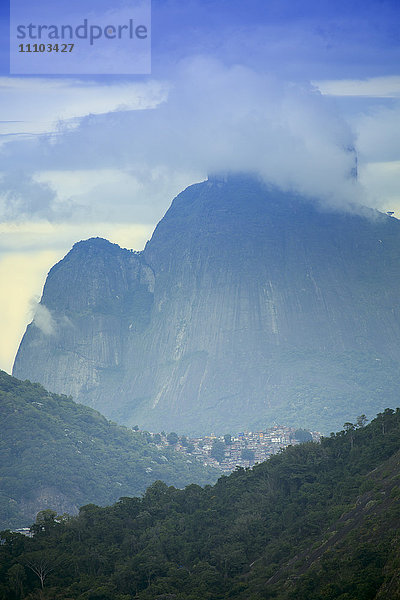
{"x":317,"y":521}
{"x":248,"y":306}
{"x":57,"y":454}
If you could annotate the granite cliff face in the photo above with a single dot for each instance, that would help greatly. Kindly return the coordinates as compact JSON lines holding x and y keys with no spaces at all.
{"x":92,"y":298}
{"x":247,"y":306}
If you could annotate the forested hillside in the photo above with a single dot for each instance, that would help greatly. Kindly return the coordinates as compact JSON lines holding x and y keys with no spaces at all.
{"x":57,"y":454}
{"x":317,"y":521}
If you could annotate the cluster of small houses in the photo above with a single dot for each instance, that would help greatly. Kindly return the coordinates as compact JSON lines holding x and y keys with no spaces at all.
{"x":242,"y":449}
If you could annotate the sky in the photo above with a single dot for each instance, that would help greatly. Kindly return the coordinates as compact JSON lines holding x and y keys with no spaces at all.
{"x":292,"y":90}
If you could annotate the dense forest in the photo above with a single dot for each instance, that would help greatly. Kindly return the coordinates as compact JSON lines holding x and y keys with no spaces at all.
{"x":317,"y":521}
{"x":57,"y":454}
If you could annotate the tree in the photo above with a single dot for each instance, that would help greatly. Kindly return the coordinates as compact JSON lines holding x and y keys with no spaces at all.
{"x":45,"y":521}
{"x":248,"y":454}
{"x":41,"y":566}
{"x":16,"y":577}
{"x":361,"y":421}
{"x":349,"y":428}
{"x":228,"y":439}
{"x":302,"y":435}
{"x":147,"y":436}
{"x":385,"y":418}
{"x":184,"y":441}
{"x":218,"y":451}
{"x":172,"y":438}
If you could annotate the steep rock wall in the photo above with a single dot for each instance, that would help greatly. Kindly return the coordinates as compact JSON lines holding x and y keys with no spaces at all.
{"x":247,"y":306}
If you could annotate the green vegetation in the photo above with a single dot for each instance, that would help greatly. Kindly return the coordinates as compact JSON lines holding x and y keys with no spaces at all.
{"x":218,"y":450}
{"x":302,"y":435}
{"x":172,"y":438}
{"x":317,"y":521}
{"x":57,"y":454}
{"x":248,"y":454}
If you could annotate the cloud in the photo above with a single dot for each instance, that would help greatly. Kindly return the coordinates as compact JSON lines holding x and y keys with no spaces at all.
{"x":57,"y":102}
{"x":113,"y":194}
{"x":374,"y":87}
{"x":377,"y":140}
{"x":382,"y":180}
{"x":378,"y":134}
{"x":24,"y":274}
{"x":216,"y":118}
{"x":21,"y":196}
{"x":43,"y":319}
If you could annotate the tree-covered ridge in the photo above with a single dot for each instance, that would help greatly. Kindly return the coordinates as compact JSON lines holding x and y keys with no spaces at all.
{"x":57,"y":454}
{"x":316,"y":521}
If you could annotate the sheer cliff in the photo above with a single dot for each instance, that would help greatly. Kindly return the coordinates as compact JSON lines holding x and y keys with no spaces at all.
{"x":247,"y":306}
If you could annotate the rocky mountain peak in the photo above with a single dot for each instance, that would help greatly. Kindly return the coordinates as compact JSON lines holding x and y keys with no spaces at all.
{"x":248,"y":306}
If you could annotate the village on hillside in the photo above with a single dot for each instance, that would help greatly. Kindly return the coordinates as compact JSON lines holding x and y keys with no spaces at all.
{"x":243,"y":449}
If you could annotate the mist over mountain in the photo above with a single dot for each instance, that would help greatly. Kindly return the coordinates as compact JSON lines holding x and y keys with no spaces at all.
{"x":249,"y":305}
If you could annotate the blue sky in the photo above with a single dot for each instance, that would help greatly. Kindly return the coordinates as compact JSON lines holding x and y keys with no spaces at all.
{"x":284,"y":88}
{"x":299,"y":39}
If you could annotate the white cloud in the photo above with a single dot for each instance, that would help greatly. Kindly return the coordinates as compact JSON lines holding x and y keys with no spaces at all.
{"x":24,"y":274}
{"x":382,"y":180}
{"x":378,"y":134}
{"x":21,"y":196}
{"x":38,"y":105}
{"x":43,"y":319}
{"x":377,"y":142}
{"x":215,"y":118}
{"x":141,"y":194}
{"x":373,"y":87}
